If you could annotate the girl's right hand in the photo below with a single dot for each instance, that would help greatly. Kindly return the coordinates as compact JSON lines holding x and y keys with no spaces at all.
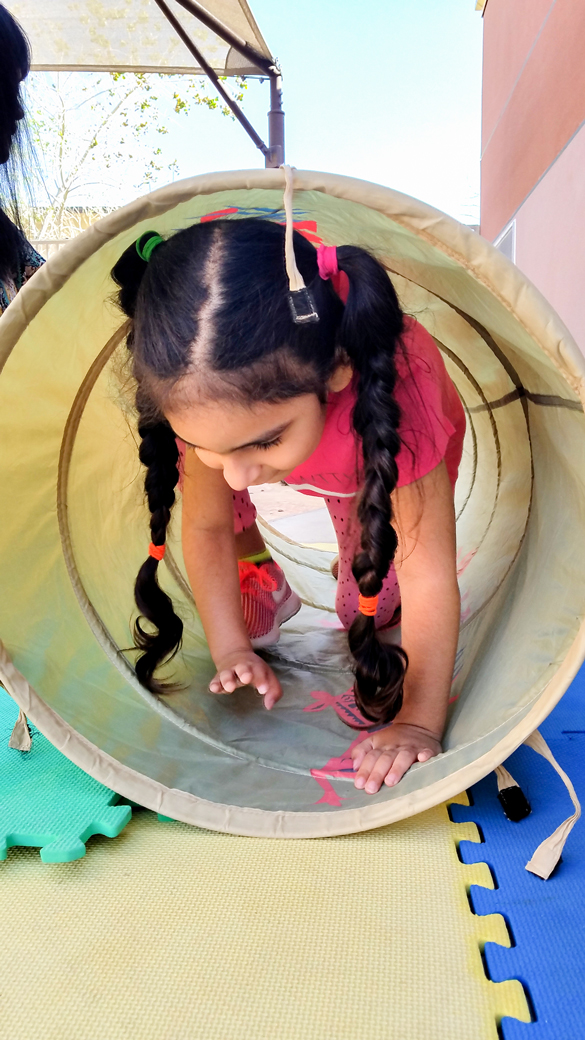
{"x":245,"y":668}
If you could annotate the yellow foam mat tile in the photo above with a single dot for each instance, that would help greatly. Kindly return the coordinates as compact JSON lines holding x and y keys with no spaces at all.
{"x":175,"y":933}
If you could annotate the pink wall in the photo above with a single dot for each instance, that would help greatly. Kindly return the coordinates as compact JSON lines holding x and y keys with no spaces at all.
{"x":550,"y":237}
{"x":533,"y":97}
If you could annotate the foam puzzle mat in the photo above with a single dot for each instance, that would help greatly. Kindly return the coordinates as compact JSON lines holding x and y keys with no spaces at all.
{"x":48,"y":802}
{"x":545,"y":917}
{"x":172,"y":932}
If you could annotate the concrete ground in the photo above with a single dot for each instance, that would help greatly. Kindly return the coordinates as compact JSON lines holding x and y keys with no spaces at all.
{"x":303,"y":518}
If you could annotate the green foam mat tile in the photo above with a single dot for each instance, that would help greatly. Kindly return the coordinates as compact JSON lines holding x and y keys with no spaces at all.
{"x":47,"y":801}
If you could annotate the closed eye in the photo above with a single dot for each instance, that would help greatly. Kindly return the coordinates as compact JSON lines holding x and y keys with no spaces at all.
{"x":263,"y":445}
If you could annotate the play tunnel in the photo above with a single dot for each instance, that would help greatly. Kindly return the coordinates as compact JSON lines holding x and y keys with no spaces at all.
{"x":75,"y":530}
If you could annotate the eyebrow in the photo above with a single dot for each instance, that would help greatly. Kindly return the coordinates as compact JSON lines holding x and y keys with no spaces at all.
{"x":270,"y":435}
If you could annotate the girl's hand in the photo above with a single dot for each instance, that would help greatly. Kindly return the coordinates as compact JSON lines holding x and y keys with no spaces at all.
{"x":385,"y":756}
{"x":244,"y":668}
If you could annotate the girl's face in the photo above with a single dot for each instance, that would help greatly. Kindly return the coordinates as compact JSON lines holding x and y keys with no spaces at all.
{"x":257,"y":444}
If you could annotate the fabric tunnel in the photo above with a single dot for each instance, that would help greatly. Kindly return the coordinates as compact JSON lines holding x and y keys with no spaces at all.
{"x":75,"y":530}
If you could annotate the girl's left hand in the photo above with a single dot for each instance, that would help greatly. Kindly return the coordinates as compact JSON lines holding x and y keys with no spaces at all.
{"x":385,"y":756}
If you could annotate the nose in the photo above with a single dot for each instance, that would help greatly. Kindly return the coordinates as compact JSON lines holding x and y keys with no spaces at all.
{"x":240,"y":476}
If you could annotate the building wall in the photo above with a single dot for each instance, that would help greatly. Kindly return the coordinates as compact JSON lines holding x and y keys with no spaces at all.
{"x":533,"y":145}
{"x":550,"y":237}
{"x":533,"y":98}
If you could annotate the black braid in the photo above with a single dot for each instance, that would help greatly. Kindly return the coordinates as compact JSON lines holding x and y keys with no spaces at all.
{"x":369,"y":333}
{"x":159,"y":453}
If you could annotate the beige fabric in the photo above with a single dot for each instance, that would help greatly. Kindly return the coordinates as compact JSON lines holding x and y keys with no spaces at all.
{"x":505,"y":779}
{"x":295,"y":278}
{"x":134,"y":36}
{"x":71,"y":550}
{"x":548,"y":853}
{"x":20,"y":738}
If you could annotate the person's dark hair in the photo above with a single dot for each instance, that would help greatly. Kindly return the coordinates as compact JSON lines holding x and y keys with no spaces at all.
{"x":213,"y":300}
{"x":15,"y":149}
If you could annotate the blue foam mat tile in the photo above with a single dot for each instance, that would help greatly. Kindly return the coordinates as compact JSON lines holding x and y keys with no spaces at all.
{"x":546,"y":918}
{"x":47,"y":801}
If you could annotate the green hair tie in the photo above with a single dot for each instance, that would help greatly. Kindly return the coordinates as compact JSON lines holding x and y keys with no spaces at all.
{"x":145,"y":251}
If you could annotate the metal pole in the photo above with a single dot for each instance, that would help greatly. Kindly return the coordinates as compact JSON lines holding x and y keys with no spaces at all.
{"x":214,"y":78}
{"x":263,"y":63}
{"x":275,"y":155}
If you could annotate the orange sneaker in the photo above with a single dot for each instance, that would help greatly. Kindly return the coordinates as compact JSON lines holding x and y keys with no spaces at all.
{"x":267,"y":601}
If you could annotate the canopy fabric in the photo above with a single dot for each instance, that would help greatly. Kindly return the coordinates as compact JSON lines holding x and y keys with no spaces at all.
{"x":75,"y":530}
{"x":134,"y":36}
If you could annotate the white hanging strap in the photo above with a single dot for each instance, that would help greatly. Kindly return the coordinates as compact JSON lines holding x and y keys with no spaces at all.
{"x":20,"y":738}
{"x":505,"y":779}
{"x":548,"y":853}
{"x":295,"y":277}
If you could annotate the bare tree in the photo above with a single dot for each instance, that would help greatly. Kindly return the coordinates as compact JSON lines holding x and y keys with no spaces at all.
{"x":98,"y":131}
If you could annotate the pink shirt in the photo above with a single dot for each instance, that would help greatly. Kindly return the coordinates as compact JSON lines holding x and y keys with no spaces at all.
{"x":432,"y":425}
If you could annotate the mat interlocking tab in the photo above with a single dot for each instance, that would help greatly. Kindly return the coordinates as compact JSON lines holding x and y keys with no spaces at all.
{"x":47,"y":801}
{"x":545,"y":917}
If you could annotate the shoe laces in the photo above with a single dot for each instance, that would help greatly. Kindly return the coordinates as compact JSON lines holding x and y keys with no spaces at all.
{"x":253,"y":577}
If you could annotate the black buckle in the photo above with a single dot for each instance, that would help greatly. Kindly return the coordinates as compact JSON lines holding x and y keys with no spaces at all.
{"x":302,"y":307}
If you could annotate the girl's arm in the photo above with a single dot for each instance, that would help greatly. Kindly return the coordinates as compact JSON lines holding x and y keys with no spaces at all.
{"x":210,"y":557}
{"x":427,"y":574}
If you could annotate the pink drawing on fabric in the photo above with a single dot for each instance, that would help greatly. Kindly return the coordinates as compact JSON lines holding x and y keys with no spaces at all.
{"x":463,"y":561}
{"x":466,"y":606}
{"x":325,"y":623}
{"x":343,"y":705}
{"x":218,"y":213}
{"x":338,"y":766}
{"x":308,"y":228}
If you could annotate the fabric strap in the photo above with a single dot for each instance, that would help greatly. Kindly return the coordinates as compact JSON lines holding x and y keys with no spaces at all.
{"x":548,"y":853}
{"x":295,"y":277}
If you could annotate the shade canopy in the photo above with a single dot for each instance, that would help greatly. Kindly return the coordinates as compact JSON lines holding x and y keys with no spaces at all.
{"x":75,"y":530}
{"x":135,"y":36}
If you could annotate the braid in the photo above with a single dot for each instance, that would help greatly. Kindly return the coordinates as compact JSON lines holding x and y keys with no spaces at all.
{"x":369,"y":332}
{"x":159,"y":453}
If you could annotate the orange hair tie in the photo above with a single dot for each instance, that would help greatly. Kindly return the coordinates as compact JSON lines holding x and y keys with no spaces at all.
{"x":368,"y":605}
{"x":156,"y":551}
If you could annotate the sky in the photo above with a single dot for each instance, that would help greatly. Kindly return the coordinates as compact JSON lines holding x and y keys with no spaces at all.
{"x":385,"y":90}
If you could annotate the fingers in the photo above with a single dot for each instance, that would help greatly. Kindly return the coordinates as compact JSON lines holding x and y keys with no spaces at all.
{"x":359,"y":753}
{"x":401,"y":764}
{"x":269,"y":687}
{"x":377,"y":766}
{"x":225,"y":681}
{"x":248,"y":673}
{"x":373,"y":769}
{"x":425,"y":754}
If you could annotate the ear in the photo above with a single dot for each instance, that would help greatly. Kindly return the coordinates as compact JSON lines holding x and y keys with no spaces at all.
{"x":340,"y":378}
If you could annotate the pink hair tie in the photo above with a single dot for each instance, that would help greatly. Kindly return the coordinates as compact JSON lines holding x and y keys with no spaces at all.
{"x":327,"y":261}
{"x":329,"y":268}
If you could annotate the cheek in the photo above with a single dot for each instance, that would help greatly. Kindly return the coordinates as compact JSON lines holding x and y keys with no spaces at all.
{"x":209,"y":459}
{"x":300,"y":447}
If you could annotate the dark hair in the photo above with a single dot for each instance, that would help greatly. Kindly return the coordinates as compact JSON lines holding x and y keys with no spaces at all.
{"x":214,"y":299}
{"x":15,"y":150}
